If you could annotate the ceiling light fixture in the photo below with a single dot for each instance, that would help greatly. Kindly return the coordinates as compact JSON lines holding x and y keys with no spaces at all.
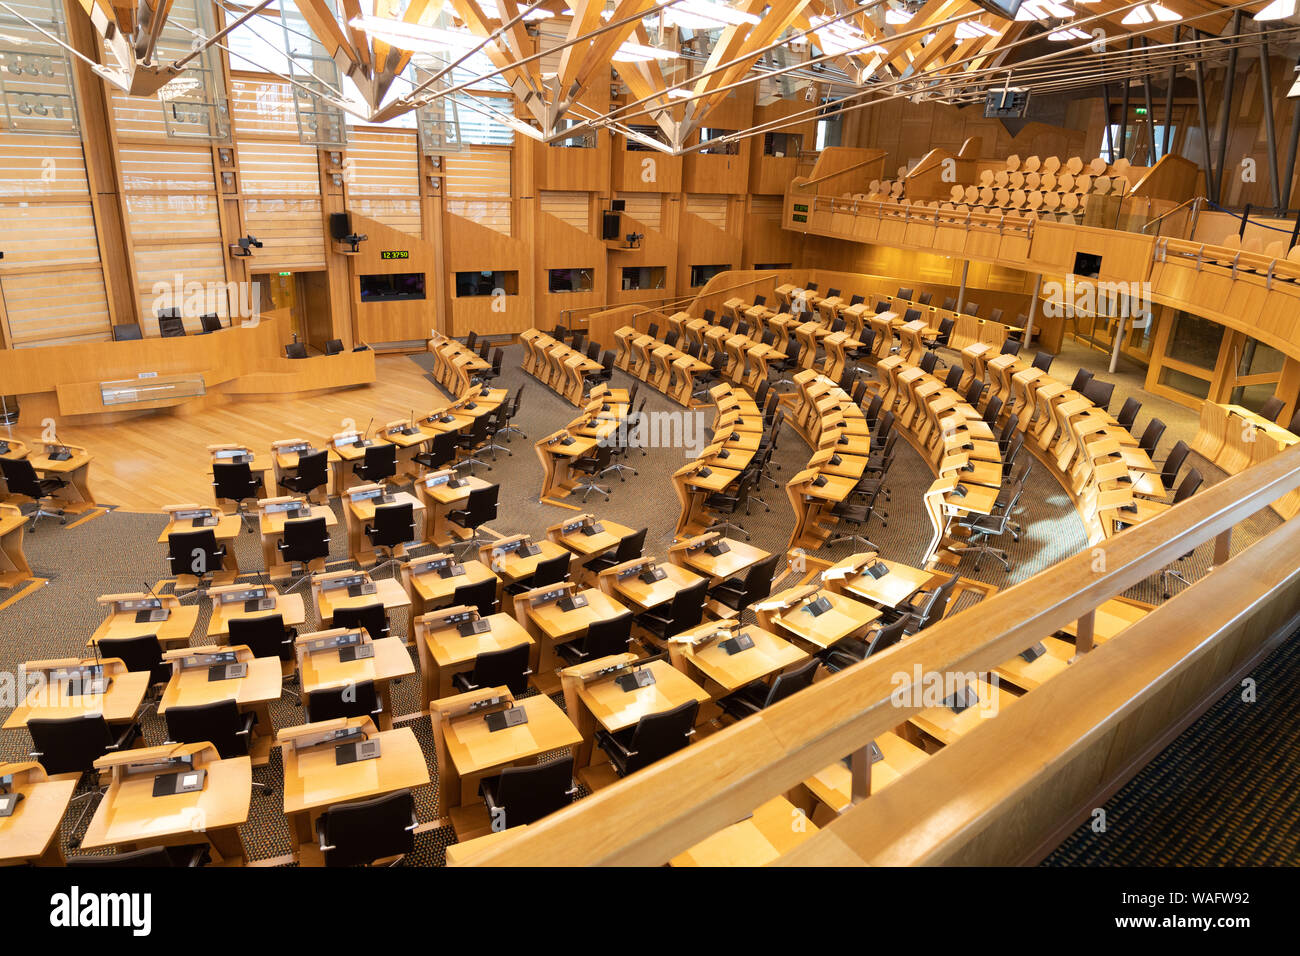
{"x":1149,"y":13}
{"x":414,"y":36}
{"x":1277,"y":10}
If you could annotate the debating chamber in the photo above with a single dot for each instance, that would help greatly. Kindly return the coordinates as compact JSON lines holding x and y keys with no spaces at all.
{"x":698,"y":433}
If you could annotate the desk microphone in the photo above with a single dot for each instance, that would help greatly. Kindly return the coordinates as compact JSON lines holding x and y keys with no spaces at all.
{"x":368,"y":427}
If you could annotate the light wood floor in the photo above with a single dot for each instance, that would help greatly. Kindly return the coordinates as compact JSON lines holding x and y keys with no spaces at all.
{"x":161,"y":459}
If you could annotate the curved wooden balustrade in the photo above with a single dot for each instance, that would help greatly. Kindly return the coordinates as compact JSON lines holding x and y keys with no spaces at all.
{"x":1251,"y":292}
{"x":1234,"y":438}
{"x":1009,"y":785}
{"x":663,"y":367}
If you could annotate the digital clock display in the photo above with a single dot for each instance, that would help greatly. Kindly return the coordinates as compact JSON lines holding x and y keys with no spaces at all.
{"x":395,"y":254}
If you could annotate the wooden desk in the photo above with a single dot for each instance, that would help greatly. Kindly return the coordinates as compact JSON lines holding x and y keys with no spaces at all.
{"x":557,"y":460}
{"x":775,"y":828}
{"x":845,"y":618}
{"x":552,"y":626}
{"x":74,"y":497}
{"x":14,"y":568}
{"x":893,"y":590}
{"x":30,"y":833}
{"x":768,"y":657}
{"x":180,"y":623}
{"x":430,"y":590}
{"x":468,"y":751}
{"x":314,"y":782}
{"x":589,"y":545}
{"x":323,"y":670}
{"x":444,"y":653}
{"x":833,"y":785}
{"x":290,"y":607}
{"x":388,"y":592}
{"x":130,"y":816}
{"x":271,"y":525}
{"x":739,"y":557}
{"x":260,"y":685}
{"x":513,"y":566}
{"x":119,"y":705}
{"x":440,"y":499}
{"x":358,"y":514}
{"x":946,"y":727}
{"x":646,"y":596}
{"x":616,"y":709}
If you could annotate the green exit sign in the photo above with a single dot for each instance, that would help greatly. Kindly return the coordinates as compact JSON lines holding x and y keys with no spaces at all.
{"x":286,"y":274}
{"x":1142,"y":111}
{"x":395,"y":254}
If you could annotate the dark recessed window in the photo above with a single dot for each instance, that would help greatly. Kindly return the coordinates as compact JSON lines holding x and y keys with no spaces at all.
{"x":486,"y":283}
{"x":644,"y":277}
{"x":769,"y":266}
{"x":569,"y":280}
{"x":702,"y":274}
{"x":395,"y":285}
{"x":782,"y":144}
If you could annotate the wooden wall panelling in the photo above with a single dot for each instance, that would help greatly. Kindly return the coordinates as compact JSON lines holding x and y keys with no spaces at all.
{"x":402,"y":323}
{"x":634,"y":170}
{"x":770,"y":175}
{"x":559,"y":245}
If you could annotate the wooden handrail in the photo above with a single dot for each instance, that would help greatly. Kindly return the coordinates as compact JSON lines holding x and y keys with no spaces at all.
{"x":839,"y":172}
{"x":670,"y":806}
{"x":943,"y":816}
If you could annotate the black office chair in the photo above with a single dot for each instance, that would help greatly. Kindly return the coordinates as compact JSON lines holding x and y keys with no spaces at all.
{"x":493,"y":371}
{"x":482,"y":595}
{"x":983,"y":528}
{"x":742,"y":592}
{"x":1099,"y":393}
{"x":195,"y":554}
{"x":954,"y":376}
{"x":757,"y":696}
{"x":928,"y":606}
{"x":627,"y":549}
{"x":685,"y":611}
{"x":480,"y":508}
{"x":602,"y":639}
{"x":366,"y":831}
{"x":1272,"y":408}
{"x":295,"y":350}
{"x":590,"y":467}
{"x":602,"y":374}
{"x":653,"y":737}
{"x":154,"y":857}
{"x":72,"y":745}
{"x":334,"y":347}
{"x":306,"y":541}
{"x":394,"y":526}
{"x":379,"y":463}
{"x":1081,"y":380}
{"x":508,"y":668}
{"x":1151,"y":436}
{"x":235,"y":481}
{"x":852,"y":651}
{"x":507,"y":422}
{"x":266,"y":637}
{"x":547,"y":572}
{"x":1189,"y":486}
{"x":312,"y":473}
{"x":209,"y":322}
{"x":1177,"y":455}
{"x":1128,"y":413}
{"x":471,"y":340}
{"x":21,"y":478}
{"x":372,"y":618}
{"x":1294,"y":425}
{"x":1010,"y":346}
{"x":523,"y":795}
{"x":142,"y":653}
{"x":949,"y":304}
{"x":971,"y":308}
{"x":1043,"y":361}
{"x":441,"y":453}
{"x":992,"y":411}
{"x":171,"y":326}
{"x":219,"y":723}
{"x":345,"y":700}
{"x":471,"y":442}
{"x":127,"y":332}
